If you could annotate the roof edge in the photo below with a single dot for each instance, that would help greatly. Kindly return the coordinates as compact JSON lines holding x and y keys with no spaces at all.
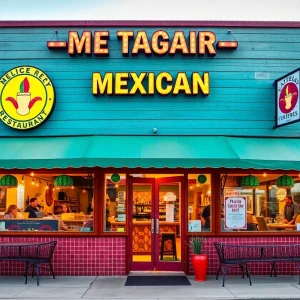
{"x":78,"y":23}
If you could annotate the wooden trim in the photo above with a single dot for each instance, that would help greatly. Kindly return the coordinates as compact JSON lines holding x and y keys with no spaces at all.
{"x":75,"y":23}
{"x":185,"y":202}
{"x":215,"y":202}
{"x":98,"y":196}
{"x":147,"y":171}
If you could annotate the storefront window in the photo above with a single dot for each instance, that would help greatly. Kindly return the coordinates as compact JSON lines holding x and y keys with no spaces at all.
{"x":115,"y":203}
{"x":37,"y":204}
{"x":199,"y":202}
{"x":261,"y":208}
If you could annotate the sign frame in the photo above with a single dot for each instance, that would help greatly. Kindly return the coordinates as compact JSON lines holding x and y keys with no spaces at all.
{"x":243,"y":212}
{"x":275,"y":84}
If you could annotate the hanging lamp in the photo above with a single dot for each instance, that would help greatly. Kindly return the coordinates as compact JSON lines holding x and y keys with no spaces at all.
{"x":249,"y":182}
{"x":285,"y":181}
{"x":8,"y":181}
{"x":63,"y":181}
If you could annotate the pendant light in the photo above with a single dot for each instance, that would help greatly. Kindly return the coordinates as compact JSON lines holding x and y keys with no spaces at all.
{"x":8,"y":181}
{"x":285,"y":181}
{"x":249,"y":182}
{"x":63,"y":181}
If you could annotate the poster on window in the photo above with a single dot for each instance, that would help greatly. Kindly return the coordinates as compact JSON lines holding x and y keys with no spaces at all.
{"x":170,"y":212}
{"x":235,"y":212}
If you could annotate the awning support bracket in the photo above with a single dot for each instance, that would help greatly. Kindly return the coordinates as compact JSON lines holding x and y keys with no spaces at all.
{"x":223,"y":183}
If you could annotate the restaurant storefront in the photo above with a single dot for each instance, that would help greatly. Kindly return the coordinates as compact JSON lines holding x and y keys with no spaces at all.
{"x":135,"y":137}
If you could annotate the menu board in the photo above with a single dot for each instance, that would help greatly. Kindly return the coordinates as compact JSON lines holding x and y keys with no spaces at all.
{"x":29,"y":225}
{"x":170,"y":212}
{"x":20,"y":196}
{"x":235,"y":212}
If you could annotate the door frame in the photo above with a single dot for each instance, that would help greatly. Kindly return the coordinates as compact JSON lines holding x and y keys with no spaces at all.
{"x":155,"y":264}
{"x":140,"y":266}
{"x":178,"y":265}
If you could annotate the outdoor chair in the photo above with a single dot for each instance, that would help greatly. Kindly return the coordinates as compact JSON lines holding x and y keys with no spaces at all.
{"x":43,"y":256}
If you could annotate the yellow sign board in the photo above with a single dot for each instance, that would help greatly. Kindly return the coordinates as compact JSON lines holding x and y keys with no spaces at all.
{"x":27,"y":97}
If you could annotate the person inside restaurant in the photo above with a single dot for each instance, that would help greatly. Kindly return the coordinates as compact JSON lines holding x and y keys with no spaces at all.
{"x":11,"y":212}
{"x":65,"y":208}
{"x":32,"y":208}
{"x":205,"y":218}
{"x":290,"y":210}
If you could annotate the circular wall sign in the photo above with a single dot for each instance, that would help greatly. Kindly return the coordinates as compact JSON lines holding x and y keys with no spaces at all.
{"x":115,"y":178}
{"x":281,"y":194}
{"x":27,"y":97}
{"x":202,"y":178}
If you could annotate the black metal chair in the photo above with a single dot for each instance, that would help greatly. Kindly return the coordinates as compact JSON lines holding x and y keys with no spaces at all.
{"x":231,"y":256}
{"x":43,"y":255}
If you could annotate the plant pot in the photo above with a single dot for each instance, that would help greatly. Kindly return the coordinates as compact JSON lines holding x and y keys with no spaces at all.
{"x":200,"y":263}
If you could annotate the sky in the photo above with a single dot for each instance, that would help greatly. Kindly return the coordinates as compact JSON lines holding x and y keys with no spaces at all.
{"x":198,"y":10}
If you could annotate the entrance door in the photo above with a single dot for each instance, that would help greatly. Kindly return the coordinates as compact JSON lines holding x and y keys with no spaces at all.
{"x":155,"y":217}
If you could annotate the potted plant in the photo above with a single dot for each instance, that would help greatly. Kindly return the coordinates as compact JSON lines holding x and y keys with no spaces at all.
{"x":199,"y":258}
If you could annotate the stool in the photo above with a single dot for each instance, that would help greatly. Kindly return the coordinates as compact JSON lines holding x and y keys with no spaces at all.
{"x":168,"y":236}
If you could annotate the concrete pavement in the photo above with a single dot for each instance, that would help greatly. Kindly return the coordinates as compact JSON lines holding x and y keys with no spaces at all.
{"x":93,"y":287}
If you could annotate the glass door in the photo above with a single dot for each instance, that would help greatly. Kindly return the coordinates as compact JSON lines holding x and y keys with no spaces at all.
{"x":169,"y":214}
{"x":141,"y":224}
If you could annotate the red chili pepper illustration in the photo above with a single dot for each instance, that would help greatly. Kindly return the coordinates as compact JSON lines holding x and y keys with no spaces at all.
{"x":31,"y":103}
{"x":23,"y":103}
{"x":13,"y":101}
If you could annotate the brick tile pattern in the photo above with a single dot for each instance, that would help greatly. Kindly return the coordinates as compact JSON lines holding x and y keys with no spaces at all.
{"x":285,"y":268}
{"x":89,"y":256}
{"x":106,"y":256}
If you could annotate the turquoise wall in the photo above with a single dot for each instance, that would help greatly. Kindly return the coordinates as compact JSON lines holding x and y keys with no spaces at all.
{"x":238,"y":103}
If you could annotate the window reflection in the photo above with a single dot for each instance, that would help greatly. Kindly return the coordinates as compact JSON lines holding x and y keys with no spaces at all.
{"x":199,"y":202}
{"x":267,"y":206}
{"x":115,"y":203}
{"x":36,"y":204}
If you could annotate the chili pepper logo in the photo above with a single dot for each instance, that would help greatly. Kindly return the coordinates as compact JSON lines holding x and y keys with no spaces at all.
{"x":288,"y":97}
{"x":24,"y":103}
{"x":27,"y":97}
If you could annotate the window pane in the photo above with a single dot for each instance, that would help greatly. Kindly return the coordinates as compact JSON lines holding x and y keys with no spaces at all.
{"x":263,"y":208}
{"x":199,"y":200}
{"x":115,"y":203}
{"x":46,"y":207}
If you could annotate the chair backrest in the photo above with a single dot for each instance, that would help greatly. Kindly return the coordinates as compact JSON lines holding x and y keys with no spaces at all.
{"x":46,"y":250}
{"x":219,"y":249}
{"x":262,"y":225}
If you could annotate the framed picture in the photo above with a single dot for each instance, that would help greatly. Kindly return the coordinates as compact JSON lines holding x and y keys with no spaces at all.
{"x":250,"y":205}
{"x":3,"y":199}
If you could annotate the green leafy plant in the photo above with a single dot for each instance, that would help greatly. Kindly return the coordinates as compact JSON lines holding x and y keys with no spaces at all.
{"x":196,"y":244}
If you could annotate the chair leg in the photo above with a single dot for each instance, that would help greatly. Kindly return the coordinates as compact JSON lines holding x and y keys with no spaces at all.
{"x":219,"y":269}
{"x":51,"y":269}
{"x":242,"y":268}
{"x":298,"y":265}
{"x":174,"y":249}
{"x":37,"y":274}
{"x":275,"y":274}
{"x":272,"y":269}
{"x":162,"y":249}
{"x":224,"y":274}
{"x":248,"y":274}
{"x":26,"y":271}
{"x":32,"y":272}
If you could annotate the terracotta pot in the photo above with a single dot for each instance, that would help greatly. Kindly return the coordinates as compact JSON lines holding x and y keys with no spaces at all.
{"x":200,"y":262}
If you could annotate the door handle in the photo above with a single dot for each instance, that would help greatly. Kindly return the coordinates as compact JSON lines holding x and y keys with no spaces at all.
{"x":157,"y":226}
{"x":152,"y":225}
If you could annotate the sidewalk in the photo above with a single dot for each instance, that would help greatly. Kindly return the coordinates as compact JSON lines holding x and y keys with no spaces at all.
{"x":264,"y":287}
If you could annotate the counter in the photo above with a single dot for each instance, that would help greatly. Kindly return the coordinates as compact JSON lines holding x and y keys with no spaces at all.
{"x":35,"y":224}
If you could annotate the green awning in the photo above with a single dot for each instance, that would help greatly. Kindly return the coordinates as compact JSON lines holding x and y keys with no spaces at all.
{"x":150,"y":151}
